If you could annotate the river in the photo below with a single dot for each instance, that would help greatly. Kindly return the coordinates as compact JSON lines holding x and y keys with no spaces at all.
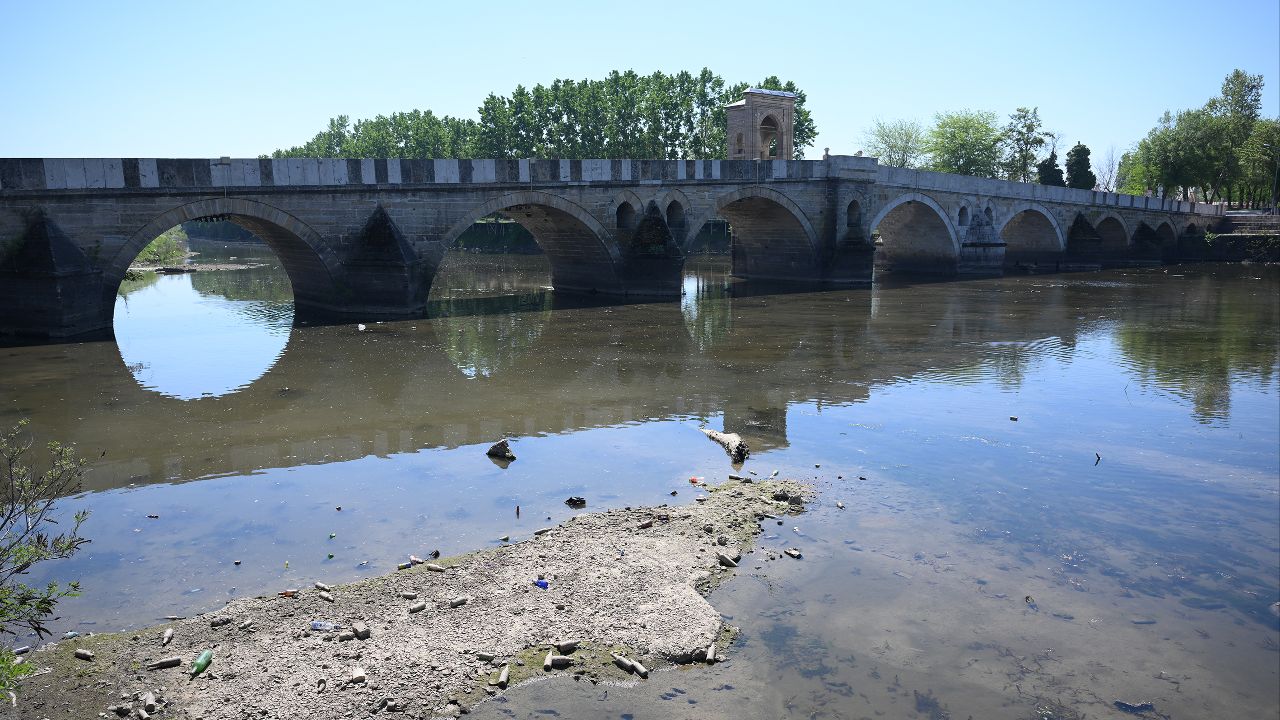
{"x":1058,"y":491}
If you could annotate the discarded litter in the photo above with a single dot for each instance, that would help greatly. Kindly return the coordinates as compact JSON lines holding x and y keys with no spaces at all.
{"x":325,"y":625}
{"x":84,"y":654}
{"x":1135,"y":708}
{"x":168,"y":637}
{"x":168,"y":662}
{"x":201,"y":663}
{"x":542,"y":584}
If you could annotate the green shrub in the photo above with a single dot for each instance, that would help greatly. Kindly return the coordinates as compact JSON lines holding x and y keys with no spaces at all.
{"x":26,"y":505}
{"x":170,"y":247}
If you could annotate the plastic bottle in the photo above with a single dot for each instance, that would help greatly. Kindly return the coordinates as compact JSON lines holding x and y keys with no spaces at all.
{"x":324,"y":625}
{"x":202,"y":663}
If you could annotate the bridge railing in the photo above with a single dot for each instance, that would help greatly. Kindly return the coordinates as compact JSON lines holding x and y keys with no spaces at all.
{"x":989,"y":187}
{"x":43,"y":174}
{"x":181,"y":174}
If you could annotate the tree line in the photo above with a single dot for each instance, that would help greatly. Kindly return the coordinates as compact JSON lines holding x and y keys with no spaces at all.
{"x":969,"y":142}
{"x":1224,"y":150}
{"x":625,"y":115}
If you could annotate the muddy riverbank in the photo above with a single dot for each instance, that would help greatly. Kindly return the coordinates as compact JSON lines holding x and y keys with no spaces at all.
{"x":434,"y":639}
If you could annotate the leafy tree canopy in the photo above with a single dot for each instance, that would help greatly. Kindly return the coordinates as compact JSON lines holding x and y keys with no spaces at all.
{"x":965,"y":143}
{"x":897,"y":143}
{"x":1048,"y":172}
{"x":1079,"y":174}
{"x":624,"y":115}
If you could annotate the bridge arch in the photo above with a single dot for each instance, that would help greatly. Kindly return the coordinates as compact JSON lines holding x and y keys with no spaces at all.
{"x":1114,"y":232}
{"x":916,"y":235}
{"x":311,"y":264}
{"x":627,"y":197}
{"x":773,"y":238}
{"x":676,"y":208}
{"x":583,"y":253}
{"x":1031,"y":234}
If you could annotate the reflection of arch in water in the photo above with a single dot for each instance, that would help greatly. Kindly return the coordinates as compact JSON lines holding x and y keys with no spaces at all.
{"x":234,"y":343}
{"x":706,"y":304}
{"x":483,"y":336}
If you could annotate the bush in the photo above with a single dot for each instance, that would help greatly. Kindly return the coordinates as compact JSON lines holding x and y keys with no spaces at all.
{"x":170,"y":247}
{"x":26,"y":505}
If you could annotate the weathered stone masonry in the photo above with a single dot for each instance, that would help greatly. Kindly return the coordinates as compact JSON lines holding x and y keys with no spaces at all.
{"x":363,"y":238}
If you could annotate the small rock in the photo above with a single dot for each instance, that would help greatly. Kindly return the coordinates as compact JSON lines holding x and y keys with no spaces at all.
{"x":793,"y":552}
{"x":725,"y":560}
{"x":576,"y":502}
{"x":501,"y":450}
{"x":357,"y":676}
{"x":219,"y":622}
{"x":84,"y":654}
{"x":361,"y":630}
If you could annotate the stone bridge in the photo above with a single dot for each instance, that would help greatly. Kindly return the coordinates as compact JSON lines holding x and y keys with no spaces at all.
{"x":363,"y":238}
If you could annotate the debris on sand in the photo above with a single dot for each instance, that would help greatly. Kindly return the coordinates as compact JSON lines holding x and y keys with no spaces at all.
{"x":475,"y":624}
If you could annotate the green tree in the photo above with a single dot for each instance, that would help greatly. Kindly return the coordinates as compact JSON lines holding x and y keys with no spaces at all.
{"x":1023,"y":138}
{"x":1079,"y":173}
{"x":625,"y":115}
{"x":897,"y":143}
{"x":965,"y":143}
{"x":1260,"y":161}
{"x":1048,"y":172}
{"x":26,"y":505}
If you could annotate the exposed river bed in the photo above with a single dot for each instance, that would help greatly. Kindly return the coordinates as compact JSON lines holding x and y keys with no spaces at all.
{"x":1058,"y":491}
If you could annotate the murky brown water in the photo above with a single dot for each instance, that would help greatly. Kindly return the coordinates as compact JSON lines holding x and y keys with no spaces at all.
{"x":244,"y":434}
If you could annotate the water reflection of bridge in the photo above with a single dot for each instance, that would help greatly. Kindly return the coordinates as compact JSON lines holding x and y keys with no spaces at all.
{"x":560,"y":367}
{"x":337,"y":394}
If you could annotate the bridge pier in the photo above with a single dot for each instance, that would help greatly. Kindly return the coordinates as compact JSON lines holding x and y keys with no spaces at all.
{"x":48,"y":287}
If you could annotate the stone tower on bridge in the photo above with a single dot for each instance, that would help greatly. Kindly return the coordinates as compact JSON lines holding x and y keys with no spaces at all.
{"x":761,"y":125}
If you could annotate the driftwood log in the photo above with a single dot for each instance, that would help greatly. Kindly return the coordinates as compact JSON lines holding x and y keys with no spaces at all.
{"x":732,"y":444}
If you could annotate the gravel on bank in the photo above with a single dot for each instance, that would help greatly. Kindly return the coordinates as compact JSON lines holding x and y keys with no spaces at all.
{"x":432,"y":640}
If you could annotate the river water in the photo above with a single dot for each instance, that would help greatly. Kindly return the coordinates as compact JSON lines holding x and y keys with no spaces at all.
{"x":1059,"y":491}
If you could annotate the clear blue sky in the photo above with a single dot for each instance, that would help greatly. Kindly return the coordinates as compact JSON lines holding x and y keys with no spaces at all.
{"x":204,"y":79}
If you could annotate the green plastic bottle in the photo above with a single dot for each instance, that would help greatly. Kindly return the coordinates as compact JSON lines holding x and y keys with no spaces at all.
{"x":202,"y":663}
